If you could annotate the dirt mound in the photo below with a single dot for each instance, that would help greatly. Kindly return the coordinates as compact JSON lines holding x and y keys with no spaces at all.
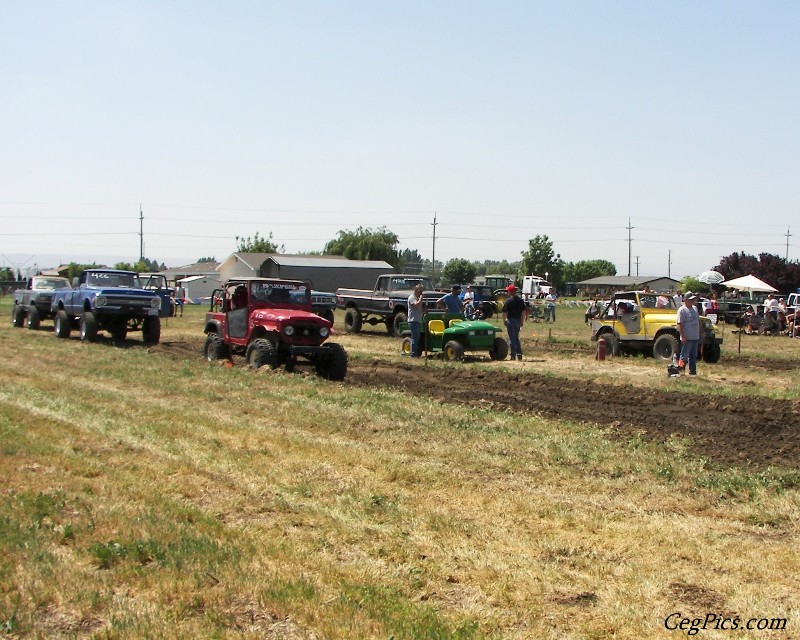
{"x":750,"y":432}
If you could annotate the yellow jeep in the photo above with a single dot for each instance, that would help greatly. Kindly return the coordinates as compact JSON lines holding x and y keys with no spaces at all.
{"x":646,"y":322}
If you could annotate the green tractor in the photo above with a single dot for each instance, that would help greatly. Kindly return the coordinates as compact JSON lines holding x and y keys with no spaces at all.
{"x":453,"y":336}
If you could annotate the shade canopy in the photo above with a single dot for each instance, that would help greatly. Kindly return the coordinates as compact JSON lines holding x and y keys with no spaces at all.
{"x":711,"y":277}
{"x":749,"y":283}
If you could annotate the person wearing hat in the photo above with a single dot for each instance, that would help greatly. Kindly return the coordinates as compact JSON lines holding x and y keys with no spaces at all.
{"x":452,"y":301}
{"x":691,"y":330}
{"x":515,"y":312}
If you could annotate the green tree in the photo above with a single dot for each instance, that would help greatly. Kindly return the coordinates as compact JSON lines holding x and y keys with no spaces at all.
{"x":772,"y":269}
{"x":365,"y":244}
{"x":411,"y":261}
{"x":586,"y":269}
{"x":74,"y":269}
{"x":257,"y":244}
{"x":458,"y":271}
{"x":694,"y":285}
{"x":142,"y":266}
{"x":540,"y":258}
{"x":7,"y":274}
{"x":208,"y":259}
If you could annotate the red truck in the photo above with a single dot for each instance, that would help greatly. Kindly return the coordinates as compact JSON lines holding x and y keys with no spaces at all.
{"x":271,"y":322}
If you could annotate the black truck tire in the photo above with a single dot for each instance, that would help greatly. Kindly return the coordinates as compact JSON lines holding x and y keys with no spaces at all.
{"x":612,"y":344}
{"x":352,"y":320}
{"x":395,"y":326}
{"x":89,"y":327}
{"x":151,"y":330}
{"x":332,"y":365}
{"x":61,"y":324}
{"x":18,"y":315}
{"x":711,"y":353}
{"x":260,"y":353}
{"x":666,"y":347}
{"x":215,"y":348}
{"x":34,"y":320}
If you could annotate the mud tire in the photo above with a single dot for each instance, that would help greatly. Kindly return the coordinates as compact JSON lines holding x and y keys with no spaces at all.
{"x":34,"y":319}
{"x":89,"y":327}
{"x":61,"y":324}
{"x":332,"y":365}
{"x":666,"y":347}
{"x":151,"y":330}
{"x":260,"y":353}
{"x":215,"y":348}
{"x":712,"y":353}
{"x":352,"y":320}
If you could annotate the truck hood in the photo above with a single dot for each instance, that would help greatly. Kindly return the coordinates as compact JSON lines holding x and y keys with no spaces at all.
{"x":121,"y":291}
{"x":288,"y":315}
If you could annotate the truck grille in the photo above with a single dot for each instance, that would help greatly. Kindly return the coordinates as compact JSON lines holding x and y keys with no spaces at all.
{"x":128,"y":301}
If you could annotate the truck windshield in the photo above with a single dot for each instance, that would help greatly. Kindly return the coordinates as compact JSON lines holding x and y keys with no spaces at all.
{"x":50,"y":283}
{"x":282,"y":292}
{"x":401,"y":284}
{"x":104,"y":279}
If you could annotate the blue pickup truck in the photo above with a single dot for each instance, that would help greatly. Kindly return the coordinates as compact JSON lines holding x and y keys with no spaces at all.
{"x":109,"y":300}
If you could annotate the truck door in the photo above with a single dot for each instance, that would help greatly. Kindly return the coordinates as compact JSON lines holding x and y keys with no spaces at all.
{"x":237,"y":314}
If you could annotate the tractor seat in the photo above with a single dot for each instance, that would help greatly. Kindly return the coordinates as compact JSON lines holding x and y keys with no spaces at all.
{"x":436,"y":327}
{"x":455,"y":321}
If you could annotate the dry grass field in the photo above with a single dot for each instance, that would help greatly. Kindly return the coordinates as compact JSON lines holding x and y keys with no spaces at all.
{"x":145,"y":493}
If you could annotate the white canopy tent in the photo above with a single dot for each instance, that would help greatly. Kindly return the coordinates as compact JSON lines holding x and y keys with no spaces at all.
{"x":749,"y":283}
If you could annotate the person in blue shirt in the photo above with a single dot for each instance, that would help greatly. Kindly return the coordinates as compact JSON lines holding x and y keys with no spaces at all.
{"x":452,"y":301}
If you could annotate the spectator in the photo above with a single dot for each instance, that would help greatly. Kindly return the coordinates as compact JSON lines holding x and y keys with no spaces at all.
{"x":180,"y":295}
{"x":451,"y":302}
{"x":593,"y":311}
{"x":515,"y":312}
{"x":550,"y":306}
{"x":469,"y":302}
{"x":415,"y":310}
{"x":691,"y":330}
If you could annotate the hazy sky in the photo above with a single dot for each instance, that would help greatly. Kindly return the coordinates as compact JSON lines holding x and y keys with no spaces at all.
{"x":504,"y":119}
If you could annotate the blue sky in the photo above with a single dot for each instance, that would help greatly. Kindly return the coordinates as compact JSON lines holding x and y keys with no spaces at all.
{"x":504,"y":119}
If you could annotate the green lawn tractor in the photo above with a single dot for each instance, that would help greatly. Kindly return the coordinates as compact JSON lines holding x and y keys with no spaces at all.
{"x":453,"y":335}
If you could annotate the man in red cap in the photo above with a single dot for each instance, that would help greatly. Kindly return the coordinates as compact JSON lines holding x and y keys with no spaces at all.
{"x":515,"y":312}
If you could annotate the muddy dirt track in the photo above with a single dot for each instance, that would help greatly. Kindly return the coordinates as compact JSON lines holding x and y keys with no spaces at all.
{"x":750,"y":432}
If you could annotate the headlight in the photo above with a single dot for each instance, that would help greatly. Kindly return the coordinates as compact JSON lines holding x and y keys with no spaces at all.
{"x":155,"y":303}
{"x":100,"y":301}
{"x":323,"y":331}
{"x":289,"y":330}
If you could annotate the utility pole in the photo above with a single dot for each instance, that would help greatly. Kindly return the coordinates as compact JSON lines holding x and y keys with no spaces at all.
{"x":433,"y":258}
{"x":669,"y":263}
{"x":141,"y":234}
{"x":637,"y":266}
{"x":787,"y":244}
{"x":629,"y":227}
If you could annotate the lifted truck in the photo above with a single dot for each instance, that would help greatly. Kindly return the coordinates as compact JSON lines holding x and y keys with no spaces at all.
{"x":646,"y":322}
{"x":110,"y":300}
{"x":387,"y":303}
{"x":34,"y":302}
{"x":271,"y":322}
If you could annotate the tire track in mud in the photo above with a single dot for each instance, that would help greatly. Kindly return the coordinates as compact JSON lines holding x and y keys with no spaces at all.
{"x":749,"y":432}
{"x":745,"y":432}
